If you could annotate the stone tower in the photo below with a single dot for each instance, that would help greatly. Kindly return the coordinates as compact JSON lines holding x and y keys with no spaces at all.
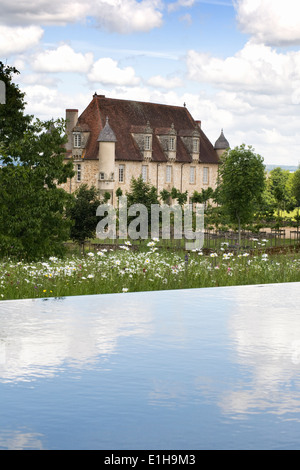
{"x":107,"y":141}
{"x":221,"y":144}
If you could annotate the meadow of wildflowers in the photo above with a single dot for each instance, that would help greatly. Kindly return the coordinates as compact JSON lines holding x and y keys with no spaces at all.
{"x":124,"y":270}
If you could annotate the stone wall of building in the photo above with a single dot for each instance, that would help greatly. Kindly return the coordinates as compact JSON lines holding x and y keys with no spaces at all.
{"x":88,"y":172}
{"x":157,"y":175}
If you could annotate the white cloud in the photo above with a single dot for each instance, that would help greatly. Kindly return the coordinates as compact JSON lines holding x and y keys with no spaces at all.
{"x":62,"y":59}
{"x":256,"y":67}
{"x":167,"y":83}
{"x":42,"y":12}
{"x":47,"y":103}
{"x":126,"y":16}
{"x":107,"y":71}
{"x":272,"y":22}
{"x":122,"y":16}
{"x":179,"y":4}
{"x":19,"y":39}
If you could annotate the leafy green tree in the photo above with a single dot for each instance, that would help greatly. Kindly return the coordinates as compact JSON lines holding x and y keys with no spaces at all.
{"x":241,"y":183}
{"x":296,"y":192}
{"x":106,"y":197}
{"x":82,"y":213}
{"x":32,"y":224}
{"x":141,"y":193}
{"x":13,"y":121}
{"x":296,"y":186}
{"x":181,"y":197}
{"x":32,"y":206}
{"x":165,"y":196}
{"x":278,"y":181}
{"x":204,"y":196}
{"x":119,"y":192}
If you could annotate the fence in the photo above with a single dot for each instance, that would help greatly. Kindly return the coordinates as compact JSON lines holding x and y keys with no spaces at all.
{"x":217,"y":240}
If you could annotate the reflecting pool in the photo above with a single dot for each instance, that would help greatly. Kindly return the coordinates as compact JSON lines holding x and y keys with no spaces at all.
{"x":194,"y":369}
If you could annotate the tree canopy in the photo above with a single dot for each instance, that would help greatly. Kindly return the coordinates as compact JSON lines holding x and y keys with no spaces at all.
{"x":241,"y":184}
{"x":82,"y":213}
{"x":32,"y":206}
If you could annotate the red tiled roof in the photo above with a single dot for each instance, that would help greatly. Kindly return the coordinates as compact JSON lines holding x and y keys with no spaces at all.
{"x":126,"y":117}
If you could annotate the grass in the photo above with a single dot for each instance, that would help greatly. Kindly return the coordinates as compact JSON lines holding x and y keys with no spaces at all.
{"x":124,"y":270}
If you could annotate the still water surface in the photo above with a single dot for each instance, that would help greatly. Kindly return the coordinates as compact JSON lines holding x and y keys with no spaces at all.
{"x":195,"y":369}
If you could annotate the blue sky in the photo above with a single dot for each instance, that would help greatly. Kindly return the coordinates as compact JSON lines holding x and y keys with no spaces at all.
{"x":236,"y":64}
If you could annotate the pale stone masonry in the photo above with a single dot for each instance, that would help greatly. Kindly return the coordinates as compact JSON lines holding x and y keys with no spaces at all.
{"x":114,"y":140}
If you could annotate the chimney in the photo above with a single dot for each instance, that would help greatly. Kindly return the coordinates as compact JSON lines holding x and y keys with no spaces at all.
{"x":71,"y":121}
{"x":199,"y":124}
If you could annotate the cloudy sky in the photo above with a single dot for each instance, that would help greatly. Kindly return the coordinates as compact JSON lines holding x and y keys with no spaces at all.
{"x":235,"y":63}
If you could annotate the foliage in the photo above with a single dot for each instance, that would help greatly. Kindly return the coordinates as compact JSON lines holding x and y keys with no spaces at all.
{"x":204,"y":196}
{"x":124,"y":270}
{"x":179,"y":196}
{"x":13,"y":122}
{"x":141,"y":193}
{"x":106,"y":197}
{"x":82,"y":213}
{"x":32,"y":207}
{"x":119,"y":192}
{"x":241,"y":184}
{"x":165,"y":196}
{"x":31,"y":216}
{"x":295,"y":186}
{"x":279,"y":187}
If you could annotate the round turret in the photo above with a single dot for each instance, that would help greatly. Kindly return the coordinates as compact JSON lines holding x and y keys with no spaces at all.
{"x":222,"y":143}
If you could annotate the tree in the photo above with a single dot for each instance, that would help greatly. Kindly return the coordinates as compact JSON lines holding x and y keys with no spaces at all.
{"x":296,"y":192}
{"x":204,"y":196}
{"x":13,"y":121}
{"x":296,"y":186}
{"x":240,"y":184}
{"x":181,"y":197}
{"x":119,"y":192}
{"x":278,"y":181}
{"x":32,"y":206}
{"x":141,"y":193}
{"x":165,"y":196}
{"x":32,"y":224}
{"x":82,"y":213}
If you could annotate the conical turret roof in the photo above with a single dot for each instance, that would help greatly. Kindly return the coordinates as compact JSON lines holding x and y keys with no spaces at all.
{"x":222,"y":143}
{"x":107,"y":134}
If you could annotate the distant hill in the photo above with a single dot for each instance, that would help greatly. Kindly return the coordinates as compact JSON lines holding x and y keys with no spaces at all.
{"x":284,"y":167}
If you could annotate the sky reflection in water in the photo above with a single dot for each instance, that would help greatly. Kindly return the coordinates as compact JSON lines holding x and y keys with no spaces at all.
{"x":195,"y":369}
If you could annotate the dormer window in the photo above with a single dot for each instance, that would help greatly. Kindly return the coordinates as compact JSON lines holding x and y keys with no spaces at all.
{"x":172,"y":143}
{"x":147,"y":142}
{"x":195,"y":145}
{"x":77,"y":139}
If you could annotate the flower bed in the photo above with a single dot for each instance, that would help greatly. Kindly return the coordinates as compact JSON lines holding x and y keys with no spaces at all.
{"x":123,"y":270}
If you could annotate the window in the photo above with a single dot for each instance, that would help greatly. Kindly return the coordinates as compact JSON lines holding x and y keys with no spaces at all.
{"x":168,"y":174}
{"x":121,"y":173}
{"x":78,"y":172}
{"x":195,"y":145}
{"x":77,"y":140}
{"x":148,"y":142}
{"x":192,"y":174}
{"x":144,"y":173}
{"x":205,"y":175}
{"x":172,"y":143}
{"x":102,"y":176}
